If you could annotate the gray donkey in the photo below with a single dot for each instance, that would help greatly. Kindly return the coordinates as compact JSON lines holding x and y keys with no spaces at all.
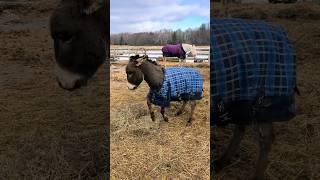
{"x":253,"y":80}
{"x":166,"y":85}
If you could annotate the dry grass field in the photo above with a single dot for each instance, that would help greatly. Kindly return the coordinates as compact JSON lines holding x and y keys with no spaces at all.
{"x":142,"y":149}
{"x":296,"y":151}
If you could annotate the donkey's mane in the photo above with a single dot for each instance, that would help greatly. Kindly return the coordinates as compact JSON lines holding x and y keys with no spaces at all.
{"x":153,"y":62}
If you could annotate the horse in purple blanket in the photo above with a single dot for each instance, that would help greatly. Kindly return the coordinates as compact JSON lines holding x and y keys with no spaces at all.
{"x":180,"y":51}
{"x":175,"y":50}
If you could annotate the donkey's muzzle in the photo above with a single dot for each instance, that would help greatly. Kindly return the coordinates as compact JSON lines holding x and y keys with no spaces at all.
{"x":77,"y":84}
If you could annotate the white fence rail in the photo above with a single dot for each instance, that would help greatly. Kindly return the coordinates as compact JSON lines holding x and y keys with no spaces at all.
{"x":154,"y":53}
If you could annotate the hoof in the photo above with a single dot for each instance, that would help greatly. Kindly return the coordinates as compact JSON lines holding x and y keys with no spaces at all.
{"x":189,"y":124}
{"x":152,"y":117}
{"x":165,"y":119}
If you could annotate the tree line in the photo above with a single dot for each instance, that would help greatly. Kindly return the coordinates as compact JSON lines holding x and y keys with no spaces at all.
{"x":197,"y":36}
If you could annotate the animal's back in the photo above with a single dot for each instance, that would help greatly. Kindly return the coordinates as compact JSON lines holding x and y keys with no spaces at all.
{"x":179,"y":84}
{"x":184,"y":82}
{"x":250,"y":57}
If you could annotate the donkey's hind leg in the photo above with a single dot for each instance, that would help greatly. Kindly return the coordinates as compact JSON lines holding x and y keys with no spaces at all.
{"x":165,"y":118}
{"x":181,"y":109}
{"x":150,"y":109}
{"x":266,"y":137}
{"x":193,"y":106}
{"x":233,"y":146}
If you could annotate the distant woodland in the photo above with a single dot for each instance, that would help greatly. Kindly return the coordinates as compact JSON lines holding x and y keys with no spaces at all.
{"x":197,"y":36}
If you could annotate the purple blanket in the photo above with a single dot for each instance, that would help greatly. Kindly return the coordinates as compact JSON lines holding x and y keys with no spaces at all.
{"x":171,"y":50}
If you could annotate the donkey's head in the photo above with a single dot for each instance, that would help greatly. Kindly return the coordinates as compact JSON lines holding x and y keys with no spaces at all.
{"x":134,"y":73}
{"x":142,"y":68}
{"x":79,"y":31}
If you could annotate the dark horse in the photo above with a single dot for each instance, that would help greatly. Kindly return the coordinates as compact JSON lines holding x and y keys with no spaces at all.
{"x":166,"y":85}
{"x":79,"y":29}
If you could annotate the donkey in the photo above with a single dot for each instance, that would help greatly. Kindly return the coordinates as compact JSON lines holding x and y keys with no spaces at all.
{"x":170,"y":84}
{"x":79,"y":29}
{"x":253,"y":83}
{"x":180,"y":51}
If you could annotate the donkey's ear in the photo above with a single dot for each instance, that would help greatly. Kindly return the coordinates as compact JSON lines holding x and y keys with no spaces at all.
{"x":133,"y":58}
{"x":91,"y":6}
{"x":139,"y":61}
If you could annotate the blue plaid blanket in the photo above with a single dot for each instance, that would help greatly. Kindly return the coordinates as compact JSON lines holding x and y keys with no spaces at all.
{"x":249,"y":58}
{"x":178,"y":84}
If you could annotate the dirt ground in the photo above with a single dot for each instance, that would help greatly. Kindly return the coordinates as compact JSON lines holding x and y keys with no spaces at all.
{"x":142,"y":149}
{"x":46,"y":132}
{"x":296,"y":150}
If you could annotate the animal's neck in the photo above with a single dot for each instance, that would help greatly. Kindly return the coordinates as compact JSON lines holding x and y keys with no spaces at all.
{"x":186,"y":47}
{"x":153,"y":75}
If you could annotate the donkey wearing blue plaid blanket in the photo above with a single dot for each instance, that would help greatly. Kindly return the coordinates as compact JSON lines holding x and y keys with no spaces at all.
{"x":253,"y":78}
{"x":166,"y":85}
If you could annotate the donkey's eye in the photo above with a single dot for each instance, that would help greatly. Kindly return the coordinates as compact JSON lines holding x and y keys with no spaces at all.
{"x":63,"y":37}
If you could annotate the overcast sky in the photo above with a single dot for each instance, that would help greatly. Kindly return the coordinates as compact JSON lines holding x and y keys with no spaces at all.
{"x":153,"y":15}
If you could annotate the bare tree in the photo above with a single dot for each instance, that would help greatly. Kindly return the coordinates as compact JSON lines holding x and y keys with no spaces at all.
{"x":198,"y":36}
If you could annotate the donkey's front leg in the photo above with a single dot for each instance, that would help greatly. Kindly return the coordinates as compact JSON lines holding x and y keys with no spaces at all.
{"x":165,"y":118}
{"x":182,"y":108}
{"x":193,"y":106}
{"x":266,"y":137}
{"x":150,"y":109}
{"x":233,"y":146}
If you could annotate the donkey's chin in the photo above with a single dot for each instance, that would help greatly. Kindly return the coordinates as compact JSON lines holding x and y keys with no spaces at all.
{"x":131,"y":86}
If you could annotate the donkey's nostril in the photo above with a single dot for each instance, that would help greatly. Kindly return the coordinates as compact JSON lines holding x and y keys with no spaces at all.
{"x":60,"y":84}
